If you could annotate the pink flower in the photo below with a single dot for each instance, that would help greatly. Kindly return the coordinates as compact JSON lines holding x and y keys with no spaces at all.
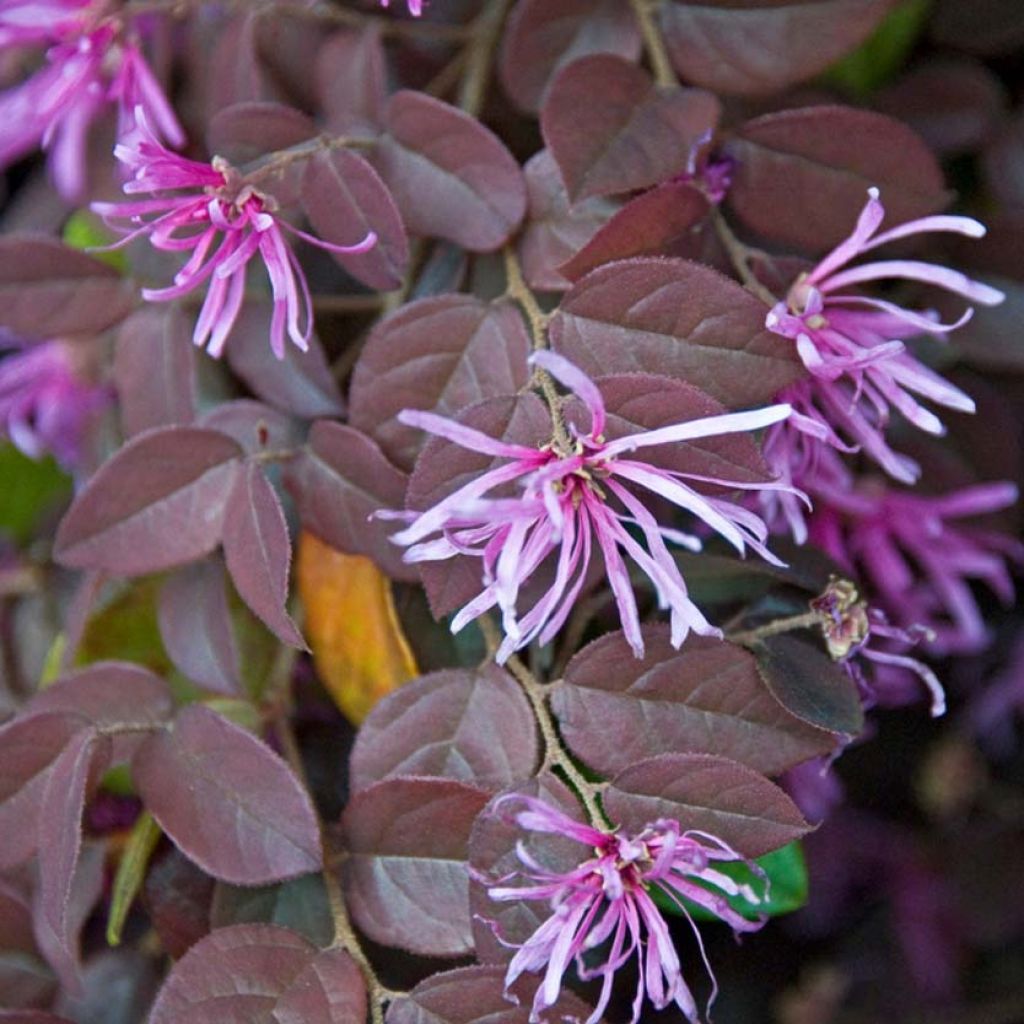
{"x":46,"y":401}
{"x":606,"y":903}
{"x":565,"y":506}
{"x":415,"y":6}
{"x":853,"y":344}
{"x":92,"y":60}
{"x":210,"y":211}
{"x":915,"y":559}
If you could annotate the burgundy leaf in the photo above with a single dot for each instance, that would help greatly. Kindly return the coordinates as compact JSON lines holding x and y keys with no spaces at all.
{"x":258,"y":552}
{"x":338,"y":481}
{"x":443,"y":467}
{"x":301,"y":384}
{"x":155,"y":370}
{"x":256,"y":427}
{"x":118,"y":986}
{"x":637,"y":136}
{"x":177,"y":897}
{"x":29,"y":748}
{"x":474,"y":727}
{"x":712,"y":794}
{"x":451,"y":177}
{"x":48,"y":289}
{"x":235,"y":974}
{"x":236,"y":74}
{"x":802,"y":175}
{"x":156,"y":503}
{"x":649,"y":225}
{"x":405,"y":875}
{"x":615,"y":709}
{"x":195,"y":625}
{"x":227,"y":800}
{"x":351,"y":79}
{"x":74,"y":773}
{"x":494,"y":846}
{"x":753,"y":48}
{"x":541,"y":36}
{"x":329,"y":990}
{"x":810,"y":685}
{"x":30,"y":1017}
{"x":300,"y":904}
{"x":441,"y":354}
{"x":555,"y":230}
{"x":245,"y":131}
{"x":675,"y":318}
{"x":345,"y":200}
{"x":473,"y":995}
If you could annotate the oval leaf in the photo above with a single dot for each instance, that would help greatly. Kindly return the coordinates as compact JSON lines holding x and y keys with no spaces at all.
{"x":712,"y":794}
{"x":405,"y":875}
{"x":227,"y":800}
{"x":475,"y":727}
{"x":156,"y":503}
{"x":708,"y":698}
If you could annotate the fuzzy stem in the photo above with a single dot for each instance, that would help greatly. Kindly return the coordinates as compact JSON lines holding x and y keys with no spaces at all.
{"x":654,"y":44}
{"x":753,"y":636}
{"x":740,"y":256}
{"x":480,"y":56}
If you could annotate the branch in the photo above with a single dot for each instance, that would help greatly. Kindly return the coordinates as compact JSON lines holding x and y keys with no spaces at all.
{"x":654,"y":43}
{"x":740,"y":256}
{"x":480,"y":52}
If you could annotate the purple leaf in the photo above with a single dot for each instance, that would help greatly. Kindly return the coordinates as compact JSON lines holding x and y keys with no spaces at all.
{"x":345,"y":200}
{"x":155,"y":370}
{"x":810,"y":685}
{"x":441,"y":354}
{"x":258,"y":552}
{"x":637,"y":136}
{"x":30,"y":1017}
{"x":156,"y":503}
{"x":245,"y":131}
{"x":195,"y":625}
{"x":753,"y":48}
{"x":177,"y":897}
{"x":256,"y":427}
{"x":649,"y":225}
{"x":227,"y":800}
{"x":24,"y":978}
{"x":802,"y":175}
{"x":405,"y":875}
{"x":443,"y":467}
{"x":712,"y":794}
{"x":338,"y":481}
{"x":118,"y":986}
{"x":475,"y":727}
{"x":614,"y":709}
{"x":542,"y":36}
{"x":351,"y":79}
{"x":73,"y":775}
{"x":472,"y":995}
{"x":675,"y":318}
{"x":29,"y":747}
{"x":261,"y":974}
{"x":451,"y":177}
{"x":300,"y":384}
{"x":555,"y":229}
{"x":300,"y":904}
{"x":47,"y":289}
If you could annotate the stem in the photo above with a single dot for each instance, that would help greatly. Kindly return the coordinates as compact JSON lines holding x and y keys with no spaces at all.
{"x":275,"y":163}
{"x":740,"y":256}
{"x":555,"y":755}
{"x":753,"y":636}
{"x":348,"y":303}
{"x":654,"y":44}
{"x":480,"y":56}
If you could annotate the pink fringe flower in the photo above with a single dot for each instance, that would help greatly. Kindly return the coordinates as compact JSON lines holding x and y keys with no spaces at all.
{"x":210,"y":211}
{"x":92,"y":60}
{"x":46,"y":403}
{"x":564,"y":507}
{"x":915,"y":559}
{"x":606,"y":902}
{"x":853,"y":347}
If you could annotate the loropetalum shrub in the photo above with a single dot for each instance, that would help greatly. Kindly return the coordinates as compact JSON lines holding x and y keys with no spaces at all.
{"x":591,"y":352}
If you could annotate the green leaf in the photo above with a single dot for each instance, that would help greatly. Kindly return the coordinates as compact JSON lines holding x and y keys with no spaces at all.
{"x":883,"y":54}
{"x":126,"y":630}
{"x":131,"y":873}
{"x":787,"y":876}
{"x":84,"y":230}
{"x":30,"y":489}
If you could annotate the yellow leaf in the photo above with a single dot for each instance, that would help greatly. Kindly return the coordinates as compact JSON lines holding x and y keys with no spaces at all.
{"x":360,"y":651}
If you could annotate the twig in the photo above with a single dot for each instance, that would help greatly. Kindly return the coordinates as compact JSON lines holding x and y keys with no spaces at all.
{"x":807,"y":620}
{"x":740,"y":256}
{"x":654,"y":44}
{"x":480,"y":56}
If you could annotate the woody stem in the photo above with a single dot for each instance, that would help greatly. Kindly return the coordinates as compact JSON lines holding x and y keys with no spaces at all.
{"x":740,"y":256}
{"x":752,"y":636}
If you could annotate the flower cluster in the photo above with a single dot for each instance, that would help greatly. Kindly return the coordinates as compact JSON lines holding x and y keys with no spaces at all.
{"x":92,"y":59}
{"x":573,"y":498}
{"x":607,"y":901}
{"x":212,"y":212}
{"x":47,"y":401}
